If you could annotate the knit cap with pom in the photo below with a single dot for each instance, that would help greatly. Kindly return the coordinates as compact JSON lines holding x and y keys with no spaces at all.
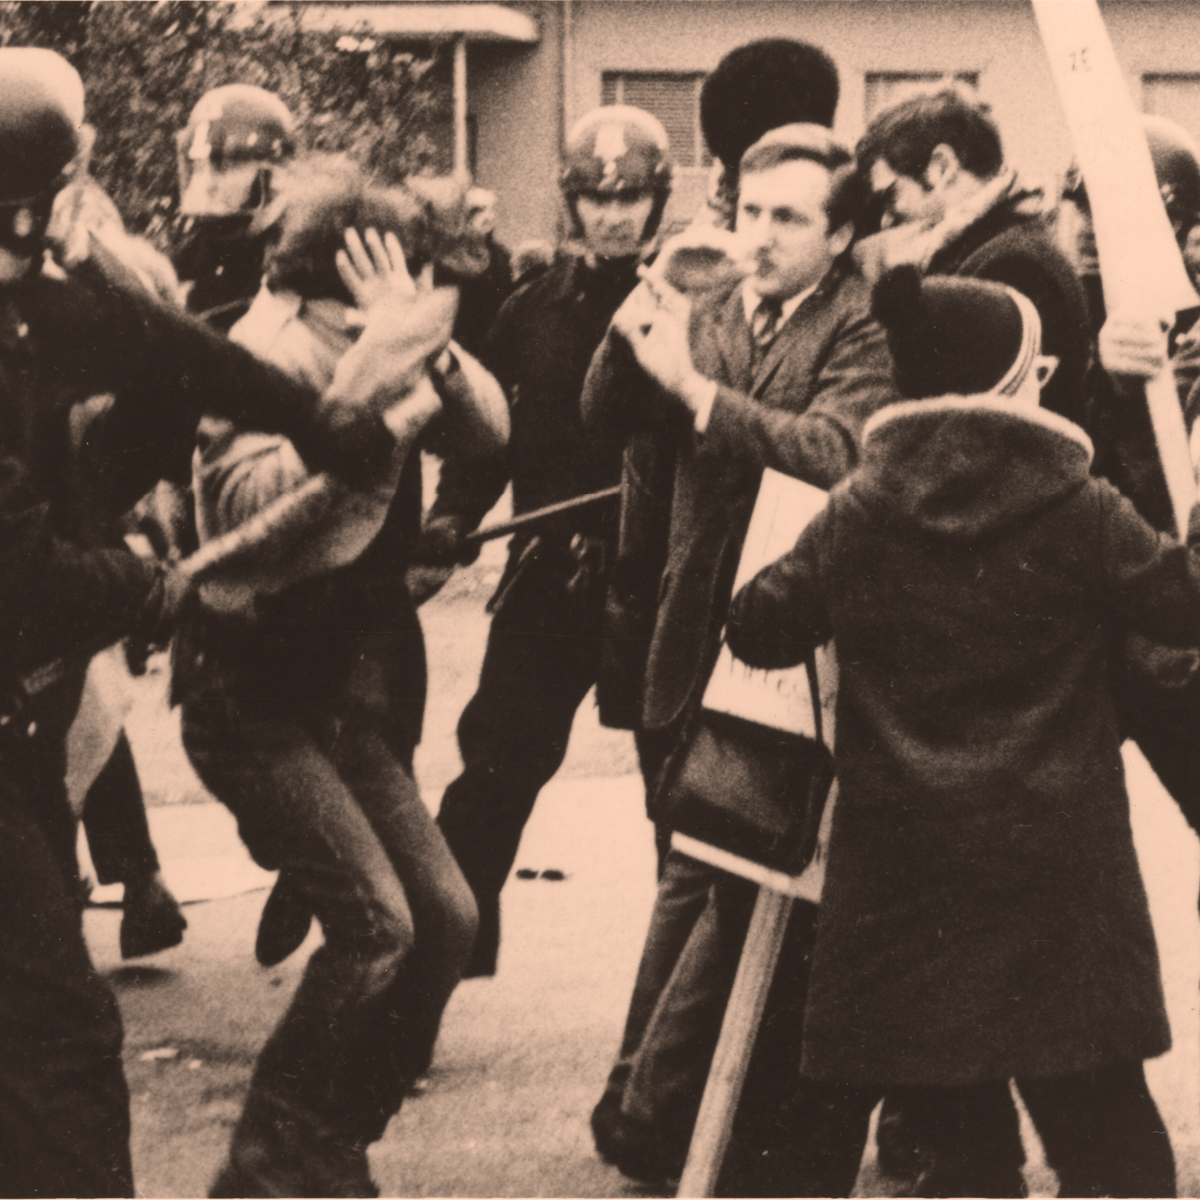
{"x":954,"y":336}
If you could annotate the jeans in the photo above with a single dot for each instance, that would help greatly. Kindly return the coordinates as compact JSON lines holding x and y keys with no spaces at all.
{"x":328,"y":801}
{"x":64,"y":1105}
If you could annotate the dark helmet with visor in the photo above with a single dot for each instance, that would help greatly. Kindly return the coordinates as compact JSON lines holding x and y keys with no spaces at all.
{"x":1176,"y":159}
{"x":617,"y":150}
{"x":233,"y":138}
{"x":42,"y":140}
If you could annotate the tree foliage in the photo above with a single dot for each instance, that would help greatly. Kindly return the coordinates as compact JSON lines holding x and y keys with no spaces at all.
{"x":145,"y":65}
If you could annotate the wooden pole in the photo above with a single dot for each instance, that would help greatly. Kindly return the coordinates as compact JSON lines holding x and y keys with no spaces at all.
{"x":1140,"y":265}
{"x":756,"y":969}
{"x":460,"y":106}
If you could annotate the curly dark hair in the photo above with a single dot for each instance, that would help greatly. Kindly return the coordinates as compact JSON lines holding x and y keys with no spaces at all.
{"x":318,"y":201}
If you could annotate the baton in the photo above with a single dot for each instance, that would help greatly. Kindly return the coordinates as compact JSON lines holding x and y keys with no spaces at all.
{"x":525,"y":520}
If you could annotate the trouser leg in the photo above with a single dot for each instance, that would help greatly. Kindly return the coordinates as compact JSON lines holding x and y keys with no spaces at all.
{"x":667,"y":1076}
{"x":1102,"y":1132}
{"x":300,"y":1130}
{"x":114,"y":816}
{"x":683,"y":893}
{"x":770,"y":1153}
{"x":394,"y":1043}
{"x":64,"y":1105}
{"x":513,"y":737}
{"x":967,"y":1139}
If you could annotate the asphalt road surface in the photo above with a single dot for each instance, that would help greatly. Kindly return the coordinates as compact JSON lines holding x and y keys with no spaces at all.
{"x":523,"y":1056}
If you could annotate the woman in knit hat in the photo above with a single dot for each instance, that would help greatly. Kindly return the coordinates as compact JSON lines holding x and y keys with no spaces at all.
{"x":984,"y":916}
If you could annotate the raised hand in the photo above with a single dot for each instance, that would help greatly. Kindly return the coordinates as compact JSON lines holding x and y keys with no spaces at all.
{"x":374,"y":269}
{"x":1133,"y":344}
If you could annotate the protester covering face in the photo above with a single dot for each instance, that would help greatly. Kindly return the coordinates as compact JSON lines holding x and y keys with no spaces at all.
{"x":927,"y":154}
{"x":319,"y":201}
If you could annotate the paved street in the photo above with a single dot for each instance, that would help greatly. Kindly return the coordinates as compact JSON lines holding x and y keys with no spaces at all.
{"x":523,"y":1057}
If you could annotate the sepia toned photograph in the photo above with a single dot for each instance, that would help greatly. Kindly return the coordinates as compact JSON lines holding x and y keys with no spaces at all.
{"x":599,"y":598}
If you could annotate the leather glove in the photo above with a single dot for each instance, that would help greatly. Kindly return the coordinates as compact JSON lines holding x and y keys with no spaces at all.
{"x":441,"y":544}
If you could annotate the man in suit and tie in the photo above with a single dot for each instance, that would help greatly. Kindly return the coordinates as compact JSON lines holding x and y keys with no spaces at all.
{"x":779,"y":365}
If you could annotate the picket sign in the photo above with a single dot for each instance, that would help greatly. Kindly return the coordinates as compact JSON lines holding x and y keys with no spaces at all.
{"x":783,"y":700}
{"x":1140,"y":263}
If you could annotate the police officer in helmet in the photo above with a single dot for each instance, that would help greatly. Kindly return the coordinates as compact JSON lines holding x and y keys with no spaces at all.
{"x":615,"y":181}
{"x":66,"y":335}
{"x":543,"y":648}
{"x":235,"y":139}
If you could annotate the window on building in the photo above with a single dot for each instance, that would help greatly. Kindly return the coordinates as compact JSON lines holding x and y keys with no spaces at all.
{"x":1174,"y":96}
{"x":674,"y":98}
{"x":886,"y":88}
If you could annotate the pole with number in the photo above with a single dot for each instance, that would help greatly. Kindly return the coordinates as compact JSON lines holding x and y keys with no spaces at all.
{"x":1141,"y":267}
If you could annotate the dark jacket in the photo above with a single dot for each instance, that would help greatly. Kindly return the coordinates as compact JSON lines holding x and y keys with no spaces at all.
{"x":221,"y":261}
{"x":1012,"y":244}
{"x":983,"y":913}
{"x":62,"y":340}
{"x":539,"y":349}
{"x":801,"y":411}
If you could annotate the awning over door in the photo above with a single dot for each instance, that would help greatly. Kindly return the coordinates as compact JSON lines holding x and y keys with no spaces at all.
{"x":496,"y":24}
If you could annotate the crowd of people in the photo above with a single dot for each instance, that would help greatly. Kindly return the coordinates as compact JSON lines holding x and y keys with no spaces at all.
{"x":223,"y":453}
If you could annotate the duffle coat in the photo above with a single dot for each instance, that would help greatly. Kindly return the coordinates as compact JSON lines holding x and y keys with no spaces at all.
{"x":983,"y":915}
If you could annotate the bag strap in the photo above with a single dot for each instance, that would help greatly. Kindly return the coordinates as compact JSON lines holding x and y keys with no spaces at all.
{"x":810,"y":665}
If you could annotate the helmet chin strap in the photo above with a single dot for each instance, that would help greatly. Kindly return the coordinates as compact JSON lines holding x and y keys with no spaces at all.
{"x":600,"y":263}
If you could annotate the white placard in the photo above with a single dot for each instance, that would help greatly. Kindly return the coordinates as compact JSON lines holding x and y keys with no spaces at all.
{"x":780,"y":699}
{"x":1140,"y":264}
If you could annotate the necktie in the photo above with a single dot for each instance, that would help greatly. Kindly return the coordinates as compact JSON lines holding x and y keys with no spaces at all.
{"x":764,"y":324}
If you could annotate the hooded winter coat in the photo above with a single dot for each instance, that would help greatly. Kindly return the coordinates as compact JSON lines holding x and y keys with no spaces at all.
{"x":983,"y":914}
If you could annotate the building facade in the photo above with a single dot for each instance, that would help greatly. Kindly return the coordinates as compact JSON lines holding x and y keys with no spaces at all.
{"x":529,"y":68}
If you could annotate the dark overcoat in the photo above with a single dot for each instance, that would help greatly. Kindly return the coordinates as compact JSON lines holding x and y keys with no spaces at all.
{"x":1011,"y":244}
{"x":983,"y":914}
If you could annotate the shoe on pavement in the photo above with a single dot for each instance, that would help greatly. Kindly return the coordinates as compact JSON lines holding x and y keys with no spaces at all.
{"x":636,"y":1148}
{"x":284,"y":924}
{"x":252,"y":1171}
{"x":153,"y":920}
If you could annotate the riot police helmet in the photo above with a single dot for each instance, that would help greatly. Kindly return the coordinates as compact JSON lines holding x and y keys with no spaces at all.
{"x":234,"y":137}
{"x":617,"y":150}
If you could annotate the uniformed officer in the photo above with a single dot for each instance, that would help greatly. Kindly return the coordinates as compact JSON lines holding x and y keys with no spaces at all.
{"x":64,"y":1107}
{"x":543,"y":648}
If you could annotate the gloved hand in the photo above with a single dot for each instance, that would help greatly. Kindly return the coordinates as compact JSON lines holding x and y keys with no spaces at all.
{"x":441,"y":544}
{"x":155,"y":625}
{"x":163,"y":517}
